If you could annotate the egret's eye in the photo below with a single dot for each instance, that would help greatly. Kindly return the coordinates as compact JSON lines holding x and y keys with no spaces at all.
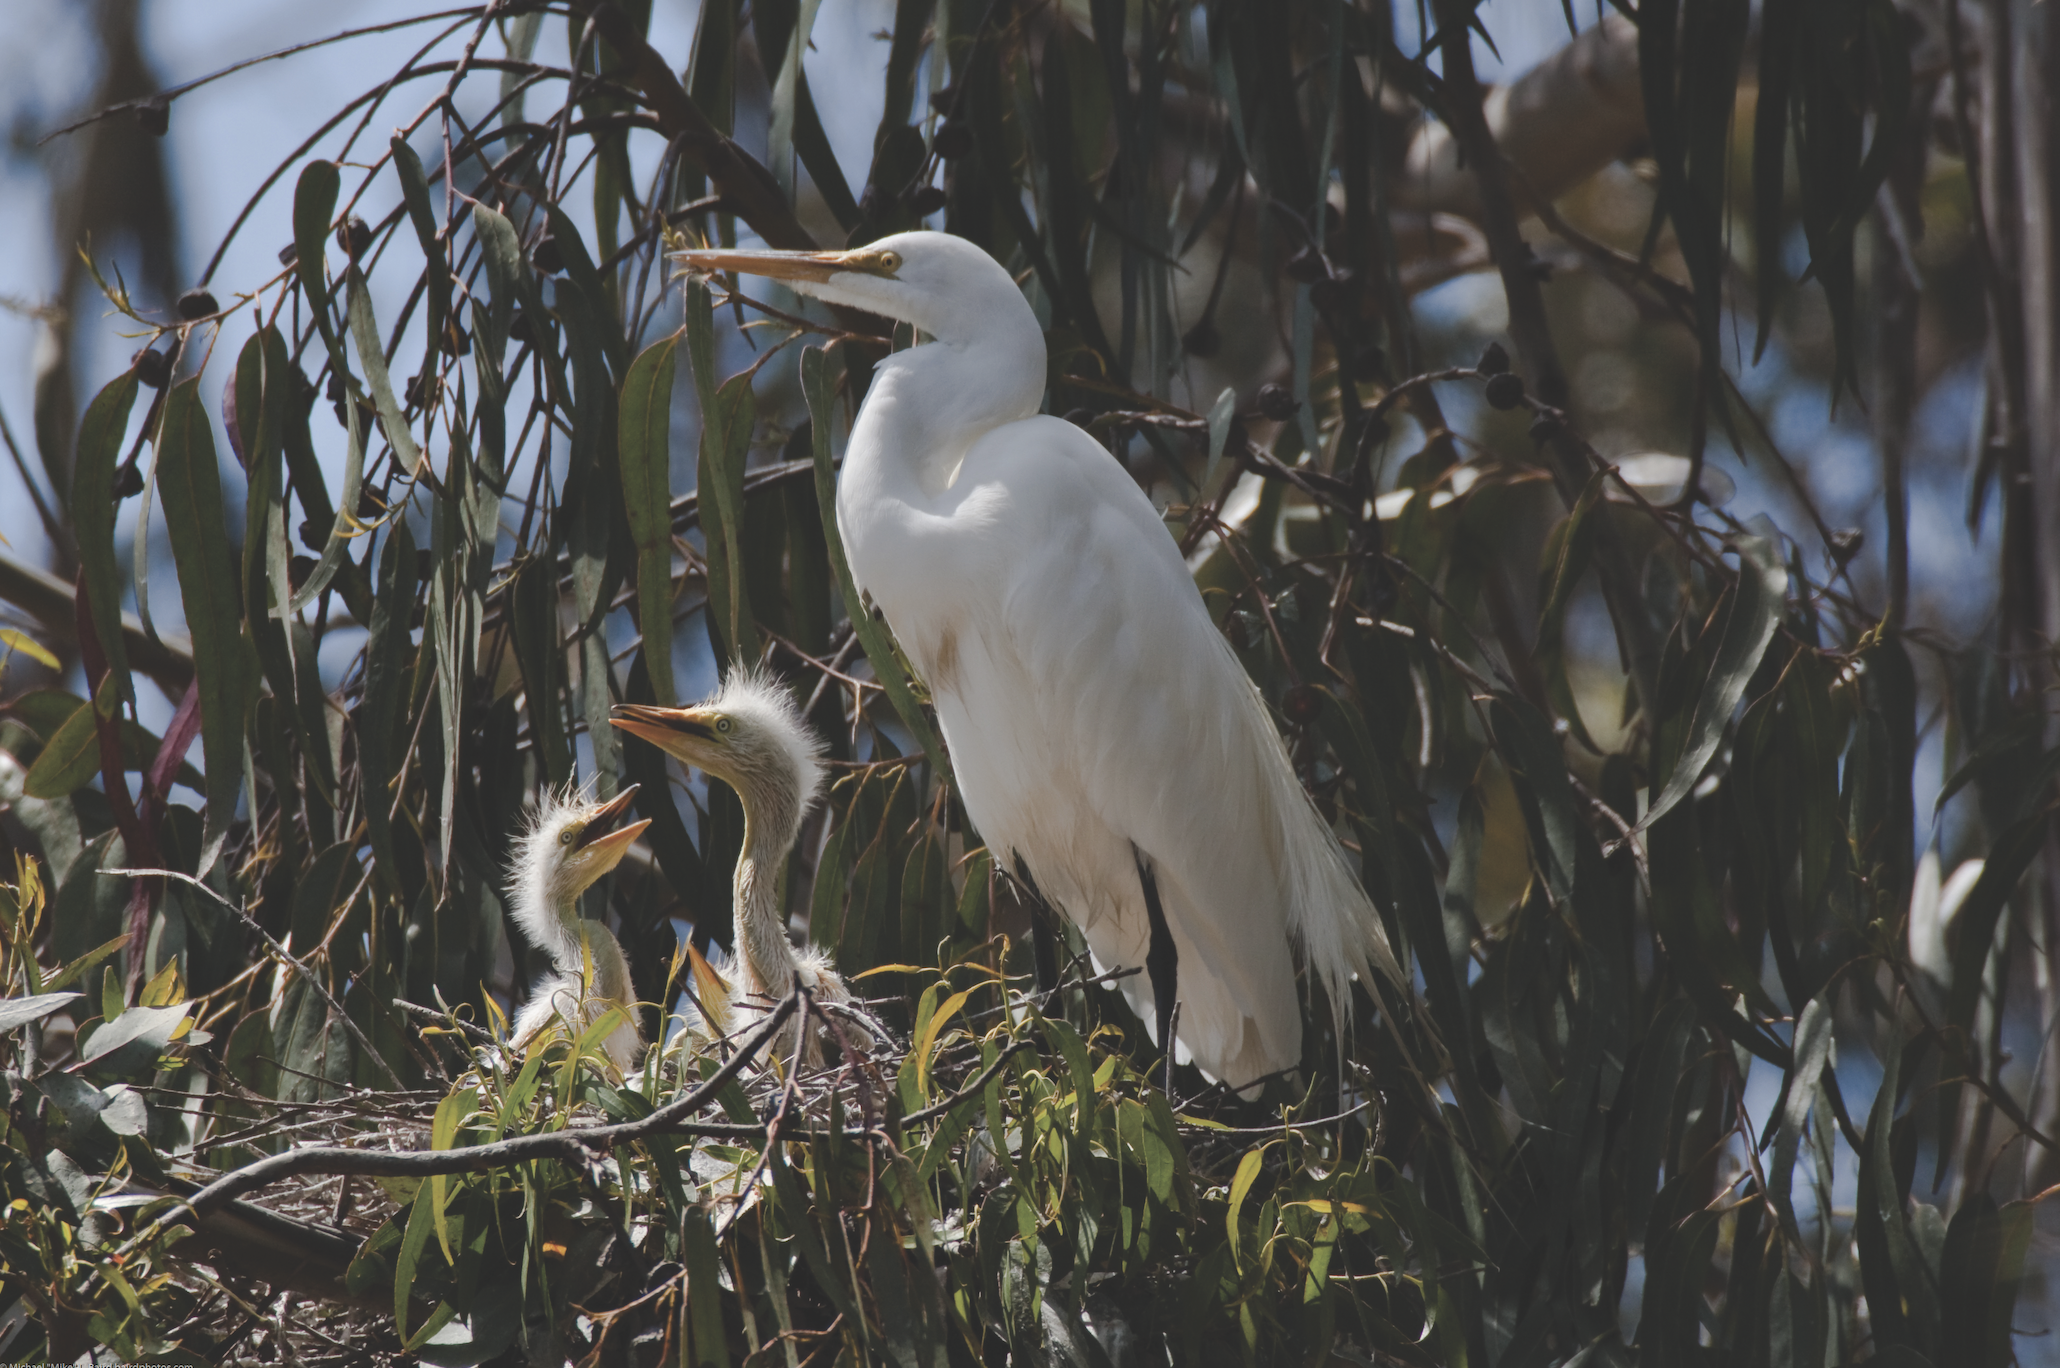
{"x":890,"y":261}
{"x":722,"y":724}
{"x":568,"y":836}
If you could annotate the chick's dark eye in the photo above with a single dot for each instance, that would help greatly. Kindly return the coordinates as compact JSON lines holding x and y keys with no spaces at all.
{"x":568,"y":836}
{"x":722,"y":724}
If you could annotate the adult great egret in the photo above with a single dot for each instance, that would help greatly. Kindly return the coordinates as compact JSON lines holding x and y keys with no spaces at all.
{"x":1108,"y":745}
{"x":571,"y":843}
{"x":751,"y":736}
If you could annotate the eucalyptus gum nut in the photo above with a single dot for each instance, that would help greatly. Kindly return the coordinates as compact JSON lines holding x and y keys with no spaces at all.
{"x":354,"y":235}
{"x":197,"y":303}
{"x":1276,"y":402}
{"x":152,"y":367}
{"x":1505,"y":391}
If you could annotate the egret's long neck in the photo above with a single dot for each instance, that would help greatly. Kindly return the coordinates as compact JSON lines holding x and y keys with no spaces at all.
{"x":928,"y":405}
{"x":761,"y":929}
{"x":551,"y":924}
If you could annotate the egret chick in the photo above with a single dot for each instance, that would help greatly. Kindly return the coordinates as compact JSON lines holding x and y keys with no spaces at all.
{"x":751,"y":737}
{"x":572,"y":842}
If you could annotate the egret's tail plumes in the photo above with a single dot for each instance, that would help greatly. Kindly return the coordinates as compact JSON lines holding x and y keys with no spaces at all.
{"x":1331,"y":920}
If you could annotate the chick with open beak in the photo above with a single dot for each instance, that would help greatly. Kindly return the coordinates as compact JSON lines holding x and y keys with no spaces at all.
{"x":573,"y":842}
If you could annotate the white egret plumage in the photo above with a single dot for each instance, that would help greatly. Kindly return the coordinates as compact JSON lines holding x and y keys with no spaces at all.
{"x":751,"y":737}
{"x":572,"y":842}
{"x":1107,"y":743}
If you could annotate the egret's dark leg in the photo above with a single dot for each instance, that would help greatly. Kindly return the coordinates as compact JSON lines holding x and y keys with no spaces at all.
{"x":1161,"y":962}
{"x":1044,"y":949}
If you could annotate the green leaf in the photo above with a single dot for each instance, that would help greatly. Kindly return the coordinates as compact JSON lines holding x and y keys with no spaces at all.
{"x":1879,"y":1222}
{"x":644,"y":441}
{"x":436,"y":273}
{"x":28,"y":646}
{"x":443,"y":1132}
{"x":314,"y":208}
{"x":926,"y":1039}
{"x":71,"y":757}
{"x":133,"y":1040}
{"x":260,"y":399}
{"x":709,"y":1344}
{"x":799,"y":1216}
{"x":507,"y":273}
{"x":190,"y":486}
{"x":1812,"y":1051}
{"x":94,"y":507}
{"x":725,"y":446}
{"x":387,"y":650}
{"x":364,"y":331}
{"x":584,"y":276}
{"x":1240,"y":1187}
{"x":407,"y":1260}
{"x":1756,"y":606}
{"x":16,"y":1012}
{"x":1974,"y":926}
{"x":872,"y":636}
{"x":88,"y":962}
{"x":50,"y":712}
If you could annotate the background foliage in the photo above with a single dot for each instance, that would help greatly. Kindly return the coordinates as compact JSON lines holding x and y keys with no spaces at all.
{"x":1730,"y":1044}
